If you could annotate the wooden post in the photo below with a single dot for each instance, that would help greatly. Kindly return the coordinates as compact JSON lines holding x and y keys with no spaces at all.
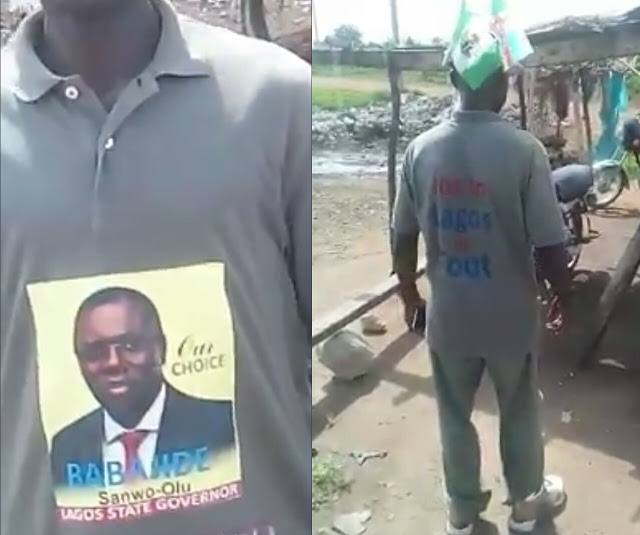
{"x":622,"y":279}
{"x":314,"y":20}
{"x":395,"y":33}
{"x":395,"y":29}
{"x":587,"y":117}
{"x":256,"y":18}
{"x":576,"y":105}
{"x":394,"y":79}
{"x":523,"y":102}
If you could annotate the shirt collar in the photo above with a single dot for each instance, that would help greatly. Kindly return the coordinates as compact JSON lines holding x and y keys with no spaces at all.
{"x":465,"y":116}
{"x":150,"y":421}
{"x":30,"y":79}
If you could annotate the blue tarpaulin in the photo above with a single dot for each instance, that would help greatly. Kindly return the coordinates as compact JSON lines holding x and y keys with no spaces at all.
{"x":614,"y":101}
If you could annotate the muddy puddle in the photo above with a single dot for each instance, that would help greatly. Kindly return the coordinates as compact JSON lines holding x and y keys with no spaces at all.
{"x":364,"y":163}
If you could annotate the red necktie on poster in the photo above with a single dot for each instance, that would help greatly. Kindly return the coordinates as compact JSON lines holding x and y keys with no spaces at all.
{"x":131,"y":441}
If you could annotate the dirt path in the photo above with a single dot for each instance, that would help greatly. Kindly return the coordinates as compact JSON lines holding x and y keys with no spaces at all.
{"x":350,"y":238}
{"x":592,"y":424}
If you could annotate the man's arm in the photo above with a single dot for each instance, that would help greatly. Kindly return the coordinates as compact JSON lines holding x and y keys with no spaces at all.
{"x":297,"y":190}
{"x":544,"y":223}
{"x":405,"y":232}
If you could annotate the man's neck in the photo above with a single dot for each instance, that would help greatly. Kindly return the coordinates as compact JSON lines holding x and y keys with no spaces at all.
{"x":107,"y":45}
{"x":475,"y":107}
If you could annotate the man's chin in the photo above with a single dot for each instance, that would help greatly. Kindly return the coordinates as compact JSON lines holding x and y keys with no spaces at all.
{"x":83,"y":8}
{"x":116,"y":402}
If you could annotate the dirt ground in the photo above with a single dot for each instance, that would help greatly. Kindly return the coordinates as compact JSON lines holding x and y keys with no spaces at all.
{"x":592,"y":422}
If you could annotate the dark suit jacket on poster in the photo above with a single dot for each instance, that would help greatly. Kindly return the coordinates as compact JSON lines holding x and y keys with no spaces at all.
{"x":187,"y":423}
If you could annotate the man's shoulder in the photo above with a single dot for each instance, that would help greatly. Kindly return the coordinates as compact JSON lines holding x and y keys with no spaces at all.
{"x":84,"y":426}
{"x":429,"y":139}
{"x":9,"y":71}
{"x":231,"y":54}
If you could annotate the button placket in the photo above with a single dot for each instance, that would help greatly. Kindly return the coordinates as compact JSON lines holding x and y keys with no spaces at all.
{"x":71,"y":92}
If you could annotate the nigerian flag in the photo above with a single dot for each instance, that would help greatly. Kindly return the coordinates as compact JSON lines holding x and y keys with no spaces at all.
{"x":485,"y":39}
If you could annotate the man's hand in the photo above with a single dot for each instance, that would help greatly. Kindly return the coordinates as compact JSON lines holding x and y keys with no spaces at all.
{"x":557,"y":313}
{"x":555,"y":316}
{"x":405,"y":263}
{"x":414,"y":314}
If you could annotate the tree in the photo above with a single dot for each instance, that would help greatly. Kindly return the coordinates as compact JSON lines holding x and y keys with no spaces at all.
{"x":346,"y":36}
{"x":411,"y":42}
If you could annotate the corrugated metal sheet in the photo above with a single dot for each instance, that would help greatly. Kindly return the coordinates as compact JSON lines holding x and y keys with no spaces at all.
{"x":572,"y":27}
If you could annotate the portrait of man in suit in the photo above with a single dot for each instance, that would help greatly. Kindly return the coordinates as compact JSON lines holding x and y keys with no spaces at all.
{"x":121,"y":348}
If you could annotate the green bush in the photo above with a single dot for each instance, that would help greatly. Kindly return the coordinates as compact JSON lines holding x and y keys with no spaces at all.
{"x":348,"y":71}
{"x":328,"y":480}
{"x":337,"y":98}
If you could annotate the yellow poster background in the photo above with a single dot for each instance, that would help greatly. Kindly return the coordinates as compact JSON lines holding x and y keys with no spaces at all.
{"x":191,"y":302}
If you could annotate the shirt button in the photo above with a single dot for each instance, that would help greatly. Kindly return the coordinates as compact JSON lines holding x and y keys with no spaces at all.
{"x":109,"y":143}
{"x":71,"y":92}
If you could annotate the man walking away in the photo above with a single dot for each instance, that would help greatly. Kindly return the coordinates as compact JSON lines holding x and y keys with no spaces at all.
{"x":480,"y":192}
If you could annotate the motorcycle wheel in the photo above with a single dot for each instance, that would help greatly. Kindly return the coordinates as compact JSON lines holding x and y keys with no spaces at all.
{"x":576,"y":238}
{"x":608,"y":184}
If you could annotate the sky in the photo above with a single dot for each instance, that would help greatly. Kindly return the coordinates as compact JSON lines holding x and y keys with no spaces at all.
{"x":424,"y":19}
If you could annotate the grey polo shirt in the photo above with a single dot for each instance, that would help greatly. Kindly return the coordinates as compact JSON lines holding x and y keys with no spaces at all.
{"x":480,"y":192}
{"x":194,"y":190}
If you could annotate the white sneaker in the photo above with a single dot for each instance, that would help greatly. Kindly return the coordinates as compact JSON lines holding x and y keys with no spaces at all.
{"x":464,"y":530}
{"x":546,"y":503}
{"x":459,"y":523}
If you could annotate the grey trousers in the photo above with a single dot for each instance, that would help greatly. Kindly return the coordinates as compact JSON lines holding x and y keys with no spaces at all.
{"x":521,"y":444}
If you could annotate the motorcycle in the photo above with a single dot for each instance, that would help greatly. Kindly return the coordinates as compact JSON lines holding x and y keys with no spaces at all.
{"x":574,"y":191}
{"x":610,"y":178}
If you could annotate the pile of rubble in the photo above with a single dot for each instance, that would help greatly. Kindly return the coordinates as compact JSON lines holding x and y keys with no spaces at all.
{"x":368,"y":125}
{"x":9,"y":20}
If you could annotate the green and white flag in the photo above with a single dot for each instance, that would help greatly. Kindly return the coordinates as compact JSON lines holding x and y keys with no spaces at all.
{"x":485,"y":39}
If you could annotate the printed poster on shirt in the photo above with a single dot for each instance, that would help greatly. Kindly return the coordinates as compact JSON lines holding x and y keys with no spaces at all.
{"x":136,"y":388}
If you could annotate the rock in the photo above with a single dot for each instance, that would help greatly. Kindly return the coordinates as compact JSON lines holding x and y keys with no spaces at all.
{"x":361,"y":457}
{"x":352,"y":523}
{"x":347,"y":355}
{"x":372,"y":325}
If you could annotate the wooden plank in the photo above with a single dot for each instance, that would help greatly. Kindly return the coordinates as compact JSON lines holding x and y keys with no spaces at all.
{"x":405,"y":59}
{"x":394,"y":84}
{"x":353,"y":309}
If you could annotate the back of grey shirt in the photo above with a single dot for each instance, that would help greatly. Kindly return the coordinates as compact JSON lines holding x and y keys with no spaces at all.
{"x":480,"y":192}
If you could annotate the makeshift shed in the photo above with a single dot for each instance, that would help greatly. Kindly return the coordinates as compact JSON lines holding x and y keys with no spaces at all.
{"x":576,"y":41}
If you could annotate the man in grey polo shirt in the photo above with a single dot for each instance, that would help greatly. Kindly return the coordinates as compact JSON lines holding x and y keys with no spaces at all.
{"x":480,"y":192}
{"x":143,"y":151}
